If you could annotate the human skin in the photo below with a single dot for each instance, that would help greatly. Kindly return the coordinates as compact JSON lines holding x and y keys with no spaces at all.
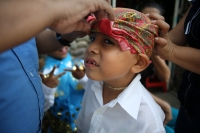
{"x":173,"y":47}
{"x":22,"y":20}
{"x":105,"y":61}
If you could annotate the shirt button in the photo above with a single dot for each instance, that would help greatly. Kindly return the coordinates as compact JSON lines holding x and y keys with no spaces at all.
{"x":31,"y":74}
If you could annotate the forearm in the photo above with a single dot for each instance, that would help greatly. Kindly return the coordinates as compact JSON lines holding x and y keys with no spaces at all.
{"x":18,"y":17}
{"x":186,"y":57}
{"x":161,"y":68}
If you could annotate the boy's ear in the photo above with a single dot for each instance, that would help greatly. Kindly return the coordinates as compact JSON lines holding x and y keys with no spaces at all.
{"x":142,"y":63}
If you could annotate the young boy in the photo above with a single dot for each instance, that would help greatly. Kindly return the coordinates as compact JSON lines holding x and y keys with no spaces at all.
{"x":69,"y":92}
{"x":115,"y":101}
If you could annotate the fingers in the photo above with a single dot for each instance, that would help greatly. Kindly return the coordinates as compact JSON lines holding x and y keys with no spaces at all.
{"x":105,"y":9}
{"x":79,"y":67}
{"x":155,"y":16}
{"x":159,"y":20}
{"x":109,"y":1}
{"x":42,"y":75}
{"x":52,"y":71}
{"x":163,"y":27}
{"x":83,"y":26}
{"x":160,"y":41}
{"x":75,"y":68}
{"x":100,"y":14}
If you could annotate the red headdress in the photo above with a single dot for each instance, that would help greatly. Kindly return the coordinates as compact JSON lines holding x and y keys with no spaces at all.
{"x":133,"y":30}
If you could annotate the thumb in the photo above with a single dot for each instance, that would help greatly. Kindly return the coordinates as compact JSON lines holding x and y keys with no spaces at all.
{"x":41,"y":75}
{"x":160,"y":41}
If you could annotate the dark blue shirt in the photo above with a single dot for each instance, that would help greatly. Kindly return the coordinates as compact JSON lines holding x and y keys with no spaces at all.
{"x":189,"y":92}
{"x":21,"y":96}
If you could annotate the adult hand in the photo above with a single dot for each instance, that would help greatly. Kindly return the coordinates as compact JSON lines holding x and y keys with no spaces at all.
{"x":62,"y":16}
{"x":50,"y":79}
{"x":163,"y":45}
{"x":158,"y":20}
{"x":71,"y":17}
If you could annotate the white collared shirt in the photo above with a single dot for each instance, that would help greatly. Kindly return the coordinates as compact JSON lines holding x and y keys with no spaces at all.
{"x":48,"y":96}
{"x":133,"y":111}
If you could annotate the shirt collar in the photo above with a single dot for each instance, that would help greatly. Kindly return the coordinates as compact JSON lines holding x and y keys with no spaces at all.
{"x":129,"y":99}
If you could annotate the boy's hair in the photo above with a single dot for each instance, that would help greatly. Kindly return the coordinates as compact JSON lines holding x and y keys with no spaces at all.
{"x":133,"y":30}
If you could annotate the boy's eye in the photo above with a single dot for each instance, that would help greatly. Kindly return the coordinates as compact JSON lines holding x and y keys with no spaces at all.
{"x":92,"y":39}
{"x":108,"y":41}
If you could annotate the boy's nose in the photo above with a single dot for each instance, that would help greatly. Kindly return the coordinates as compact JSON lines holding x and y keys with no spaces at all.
{"x":93,"y":48}
{"x":63,"y":50}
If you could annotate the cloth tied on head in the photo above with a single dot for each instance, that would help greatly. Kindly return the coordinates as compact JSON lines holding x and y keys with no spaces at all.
{"x":132,"y":29}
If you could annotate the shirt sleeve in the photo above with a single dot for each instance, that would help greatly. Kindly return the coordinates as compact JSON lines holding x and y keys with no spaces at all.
{"x":83,"y":81}
{"x":48,"y":96}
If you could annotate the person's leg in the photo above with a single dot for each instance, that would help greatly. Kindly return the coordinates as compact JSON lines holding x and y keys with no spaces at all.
{"x":182,"y":123}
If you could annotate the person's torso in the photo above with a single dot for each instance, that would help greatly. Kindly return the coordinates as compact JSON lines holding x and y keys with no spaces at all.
{"x":190,"y":86}
{"x":112,"y":118}
{"x":21,"y":96}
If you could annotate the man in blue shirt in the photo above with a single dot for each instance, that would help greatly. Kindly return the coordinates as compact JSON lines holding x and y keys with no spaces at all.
{"x":21,"y":97}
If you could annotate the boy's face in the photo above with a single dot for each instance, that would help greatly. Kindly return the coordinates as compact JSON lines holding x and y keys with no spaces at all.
{"x":60,"y":54}
{"x":104,"y":60}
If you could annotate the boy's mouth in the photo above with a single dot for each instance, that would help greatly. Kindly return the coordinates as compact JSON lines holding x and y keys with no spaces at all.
{"x":91,"y":62}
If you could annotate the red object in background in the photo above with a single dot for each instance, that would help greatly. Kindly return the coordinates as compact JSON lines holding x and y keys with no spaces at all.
{"x":153,"y":82}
